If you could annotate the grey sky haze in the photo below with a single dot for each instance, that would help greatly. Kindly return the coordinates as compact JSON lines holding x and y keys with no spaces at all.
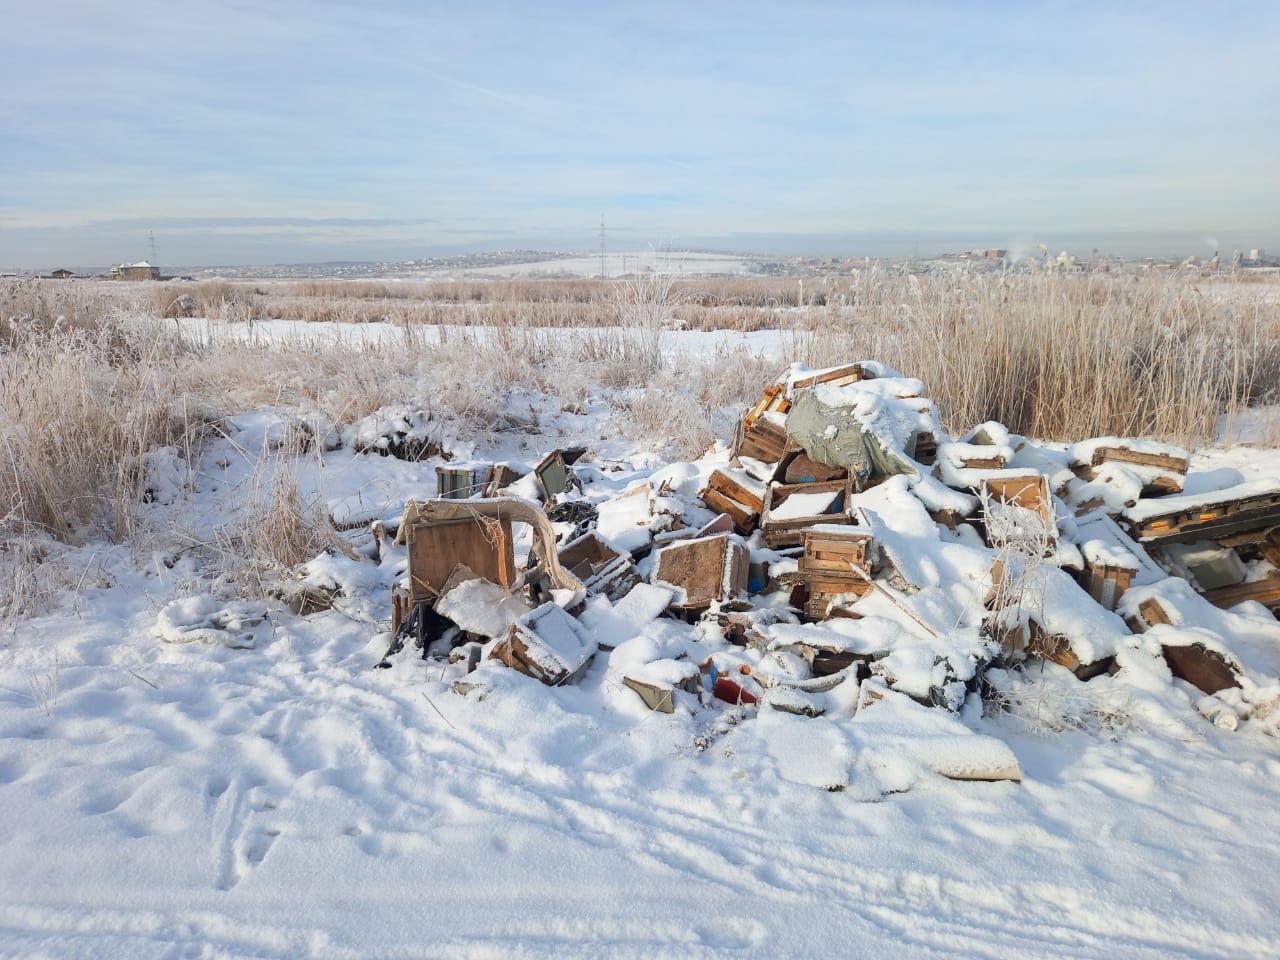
{"x":247,"y":132}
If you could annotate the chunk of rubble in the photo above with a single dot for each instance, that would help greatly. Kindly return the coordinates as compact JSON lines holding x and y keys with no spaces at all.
{"x":202,"y":618}
{"x":546,"y":644}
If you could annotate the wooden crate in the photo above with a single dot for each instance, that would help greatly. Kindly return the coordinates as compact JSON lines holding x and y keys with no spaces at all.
{"x":726,"y":494}
{"x":1028,"y":491}
{"x":789,"y":532}
{"x":1212,"y":519}
{"x":499,"y":477}
{"x":831,"y":554}
{"x":602,"y":569}
{"x":834,"y":565}
{"x":707,"y":570}
{"x":1168,"y":481}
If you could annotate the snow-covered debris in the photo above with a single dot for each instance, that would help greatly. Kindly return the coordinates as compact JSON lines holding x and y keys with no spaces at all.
{"x":403,"y":431}
{"x":202,"y":618}
{"x":546,"y":644}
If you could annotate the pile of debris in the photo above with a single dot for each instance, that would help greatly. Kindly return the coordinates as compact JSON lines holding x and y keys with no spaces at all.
{"x":844,"y":551}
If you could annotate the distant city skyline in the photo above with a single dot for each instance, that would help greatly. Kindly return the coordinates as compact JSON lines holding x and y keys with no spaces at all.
{"x":305,"y":132}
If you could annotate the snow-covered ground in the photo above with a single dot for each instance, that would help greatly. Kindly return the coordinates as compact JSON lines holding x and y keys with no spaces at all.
{"x":281,"y":797}
{"x":674,"y":263}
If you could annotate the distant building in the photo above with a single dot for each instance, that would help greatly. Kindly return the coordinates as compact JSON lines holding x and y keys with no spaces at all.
{"x":62,"y":274}
{"x":135,"y":271}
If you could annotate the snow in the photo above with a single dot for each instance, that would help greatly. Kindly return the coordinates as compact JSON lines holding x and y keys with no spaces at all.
{"x":1158,"y":506}
{"x":168,"y":789}
{"x":799,"y":505}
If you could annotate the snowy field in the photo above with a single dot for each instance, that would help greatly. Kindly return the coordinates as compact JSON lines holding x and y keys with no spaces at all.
{"x":263,"y":791}
{"x":674,"y":263}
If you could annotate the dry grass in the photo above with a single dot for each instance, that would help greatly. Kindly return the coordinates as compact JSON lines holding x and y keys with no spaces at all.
{"x":90,"y":380}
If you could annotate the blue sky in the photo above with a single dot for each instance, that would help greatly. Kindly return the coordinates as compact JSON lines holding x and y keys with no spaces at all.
{"x":251,"y":132}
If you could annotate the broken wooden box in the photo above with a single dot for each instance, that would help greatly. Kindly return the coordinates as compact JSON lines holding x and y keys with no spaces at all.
{"x":603,"y":569}
{"x":703,"y":571}
{"x":836,"y":564}
{"x":737,"y":494}
{"x":791,"y":508}
{"x":546,"y":644}
{"x":1018,"y":510}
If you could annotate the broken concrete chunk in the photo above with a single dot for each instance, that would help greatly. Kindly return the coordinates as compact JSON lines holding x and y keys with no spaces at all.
{"x":546,"y":644}
{"x":703,"y":571}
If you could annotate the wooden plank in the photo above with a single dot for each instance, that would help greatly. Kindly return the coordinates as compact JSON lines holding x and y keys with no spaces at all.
{"x":982,"y":463}
{"x":435,"y":548}
{"x":835,"y":377}
{"x":1265,"y":592}
{"x":1174,"y":464}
